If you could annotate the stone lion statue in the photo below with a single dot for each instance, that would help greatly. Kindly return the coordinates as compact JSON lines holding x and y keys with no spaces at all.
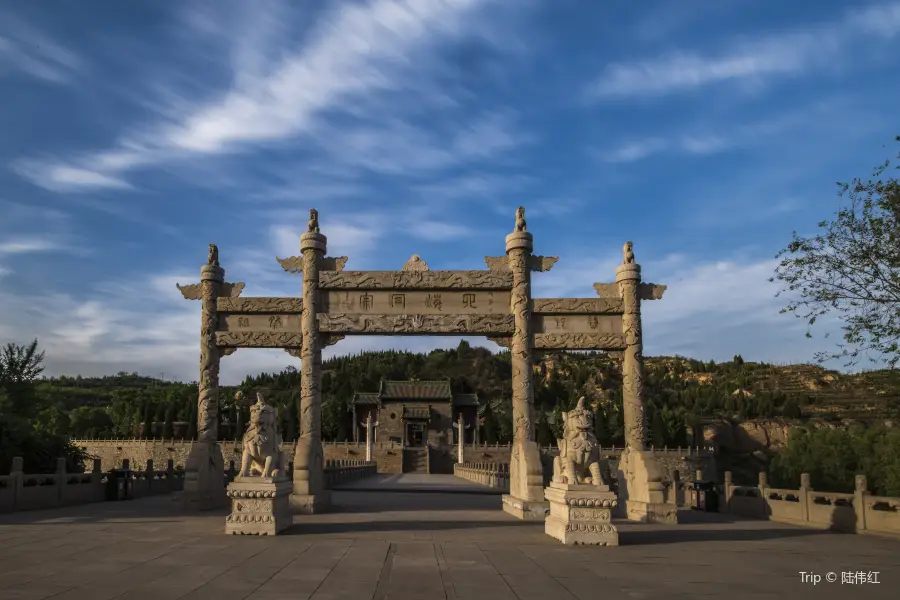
{"x":262,"y":443}
{"x":579,"y":454}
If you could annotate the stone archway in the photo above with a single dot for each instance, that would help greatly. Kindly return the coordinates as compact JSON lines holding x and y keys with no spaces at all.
{"x":496,"y":302}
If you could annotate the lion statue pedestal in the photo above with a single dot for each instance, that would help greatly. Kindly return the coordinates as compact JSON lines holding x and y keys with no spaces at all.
{"x":259,"y":506}
{"x":260,"y":495}
{"x":581,"y":502}
{"x":581,"y":514}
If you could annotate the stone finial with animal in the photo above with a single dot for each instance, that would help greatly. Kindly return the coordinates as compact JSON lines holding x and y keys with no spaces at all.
{"x":212,"y":258}
{"x":262,"y":443}
{"x":628,"y":253}
{"x":579,"y":453}
{"x":520,"y":219}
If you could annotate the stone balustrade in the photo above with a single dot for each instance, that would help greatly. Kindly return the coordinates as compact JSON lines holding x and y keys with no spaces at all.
{"x":342,"y":471}
{"x":24,"y":491}
{"x":859,"y":512}
{"x":495,"y":475}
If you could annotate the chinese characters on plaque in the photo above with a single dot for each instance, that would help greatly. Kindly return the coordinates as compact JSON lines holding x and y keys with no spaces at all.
{"x":415,"y":302}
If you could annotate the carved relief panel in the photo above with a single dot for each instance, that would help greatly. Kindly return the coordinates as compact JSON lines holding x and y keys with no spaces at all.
{"x":448,"y":280}
{"x":259,"y":304}
{"x":579,"y":341}
{"x":416,"y":324}
{"x":260,"y":339}
{"x":578,"y":305}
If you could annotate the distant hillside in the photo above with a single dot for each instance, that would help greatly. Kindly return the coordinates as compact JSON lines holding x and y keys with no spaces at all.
{"x":681,"y":393}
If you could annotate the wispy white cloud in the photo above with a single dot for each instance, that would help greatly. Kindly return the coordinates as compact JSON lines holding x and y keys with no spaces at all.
{"x":706,"y":138}
{"x":29,"y":50}
{"x":437,"y":231}
{"x":277,"y":94}
{"x":774,"y":55}
{"x":474,"y":187}
{"x":635,"y":150}
{"x":708,"y":144}
{"x":28,"y":244}
{"x":27,"y":230}
{"x":64,"y":178}
{"x":395,"y":146}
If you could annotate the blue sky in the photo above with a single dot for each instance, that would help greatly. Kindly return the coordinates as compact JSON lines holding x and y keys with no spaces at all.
{"x":136,"y":133}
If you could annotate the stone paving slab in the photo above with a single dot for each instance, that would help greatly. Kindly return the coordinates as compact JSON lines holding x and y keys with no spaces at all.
{"x":418,"y":482}
{"x":403,"y":546}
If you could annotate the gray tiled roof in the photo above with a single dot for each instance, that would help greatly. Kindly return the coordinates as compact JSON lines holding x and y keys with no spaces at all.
{"x":366,"y":398}
{"x":416,"y":390}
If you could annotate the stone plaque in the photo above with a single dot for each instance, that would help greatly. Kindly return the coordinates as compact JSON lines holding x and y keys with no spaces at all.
{"x":255,"y":322}
{"x":423,"y":280}
{"x":415,"y":302}
{"x":576,"y":323}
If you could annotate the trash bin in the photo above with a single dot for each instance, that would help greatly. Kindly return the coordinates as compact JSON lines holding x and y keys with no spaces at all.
{"x":120,"y":485}
{"x":704,"y":496}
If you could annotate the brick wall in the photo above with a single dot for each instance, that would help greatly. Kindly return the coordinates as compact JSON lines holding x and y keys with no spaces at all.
{"x":438,"y":430}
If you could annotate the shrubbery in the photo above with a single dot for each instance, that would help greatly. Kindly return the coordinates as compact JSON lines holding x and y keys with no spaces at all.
{"x":833,"y":458}
{"x":21,"y":434}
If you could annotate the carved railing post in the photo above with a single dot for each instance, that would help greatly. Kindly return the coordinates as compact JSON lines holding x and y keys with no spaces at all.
{"x":859,"y":502}
{"x":309,"y":494}
{"x":203,"y":487}
{"x":526,"y":495}
{"x":628,"y":276}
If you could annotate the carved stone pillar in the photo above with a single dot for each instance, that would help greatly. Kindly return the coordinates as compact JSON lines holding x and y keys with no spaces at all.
{"x":309,"y":494}
{"x":628,"y":276}
{"x":203,"y":482}
{"x":526,"y":492}
{"x":640,"y":476}
{"x":211,"y":278}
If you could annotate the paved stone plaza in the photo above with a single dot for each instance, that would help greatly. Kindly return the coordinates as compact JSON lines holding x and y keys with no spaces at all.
{"x":399,"y":545}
